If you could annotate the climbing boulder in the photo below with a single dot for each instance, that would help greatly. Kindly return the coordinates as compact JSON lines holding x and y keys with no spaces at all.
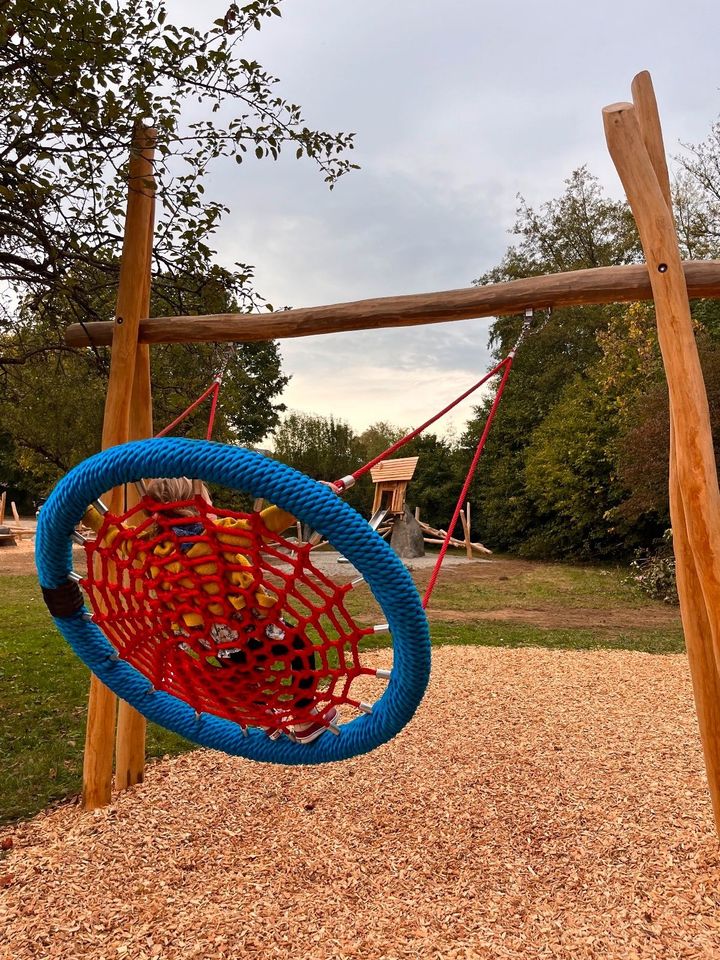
{"x":407,"y":537}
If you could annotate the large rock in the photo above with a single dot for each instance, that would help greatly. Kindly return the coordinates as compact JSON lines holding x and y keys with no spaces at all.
{"x":407,"y":537}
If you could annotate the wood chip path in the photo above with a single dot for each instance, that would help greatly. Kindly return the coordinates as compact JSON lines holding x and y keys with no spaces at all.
{"x":542,"y":804}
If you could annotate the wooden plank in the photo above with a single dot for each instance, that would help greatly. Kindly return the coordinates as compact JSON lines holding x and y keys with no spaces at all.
{"x":466,"y":530}
{"x":695,"y":503}
{"x":21,"y":532}
{"x":97,"y":767}
{"x":621,"y":284}
{"x":477,"y":547}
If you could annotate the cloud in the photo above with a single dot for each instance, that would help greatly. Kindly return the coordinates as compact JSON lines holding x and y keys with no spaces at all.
{"x":458,"y":107}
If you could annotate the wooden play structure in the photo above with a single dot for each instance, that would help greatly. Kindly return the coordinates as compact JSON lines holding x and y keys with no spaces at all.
{"x":635,"y":143}
{"x":7,"y":536}
{"x":391,"y":479}
{"x":436,"y":536}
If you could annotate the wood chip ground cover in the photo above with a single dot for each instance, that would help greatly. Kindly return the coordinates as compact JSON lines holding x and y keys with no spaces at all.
{"x":542,"y":804}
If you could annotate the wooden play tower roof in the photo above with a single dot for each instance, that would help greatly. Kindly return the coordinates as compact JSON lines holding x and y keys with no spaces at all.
{"x":390,"y":470}
{"x":391,"y":478}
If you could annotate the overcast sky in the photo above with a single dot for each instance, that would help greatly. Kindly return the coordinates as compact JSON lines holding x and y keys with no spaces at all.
{"x":458,"y":107}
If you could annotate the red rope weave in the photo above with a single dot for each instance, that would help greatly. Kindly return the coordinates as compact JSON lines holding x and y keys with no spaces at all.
{"x":235,"y":622}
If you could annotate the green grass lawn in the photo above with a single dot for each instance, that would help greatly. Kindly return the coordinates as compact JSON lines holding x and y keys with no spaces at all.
{"x":558,"y":584}
{"x":43,"y":700}
{"x":43,"y":686}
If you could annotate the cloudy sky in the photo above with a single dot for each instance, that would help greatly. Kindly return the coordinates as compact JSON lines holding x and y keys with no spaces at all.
{"x":458,"y":107}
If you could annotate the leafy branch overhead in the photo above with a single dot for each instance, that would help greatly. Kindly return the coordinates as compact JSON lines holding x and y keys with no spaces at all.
{"x":75,"y":76}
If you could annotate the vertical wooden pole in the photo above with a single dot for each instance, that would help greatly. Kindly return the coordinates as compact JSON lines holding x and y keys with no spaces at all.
{"x":698,"y":632}
{"x":635,"y":142}
{"x":465,"y":519}
{"x":97,"y":769}
{"x":131,"y":725}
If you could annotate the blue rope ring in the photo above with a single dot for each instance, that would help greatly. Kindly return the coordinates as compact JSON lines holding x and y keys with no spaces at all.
{"x":241,"y":469}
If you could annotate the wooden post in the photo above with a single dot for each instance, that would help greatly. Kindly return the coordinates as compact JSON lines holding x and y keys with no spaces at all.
{"x":635,"y":143}
{"x":97,"y":769}
{"x":697,"y":628}
{"x":131,"y":725}
{"x":465,"y":520}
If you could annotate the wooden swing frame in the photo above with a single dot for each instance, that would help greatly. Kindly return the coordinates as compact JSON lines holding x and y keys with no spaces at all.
{"x":634,"y":139}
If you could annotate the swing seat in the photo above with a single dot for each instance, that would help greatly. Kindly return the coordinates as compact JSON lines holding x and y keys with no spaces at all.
{"x":226,"y":636}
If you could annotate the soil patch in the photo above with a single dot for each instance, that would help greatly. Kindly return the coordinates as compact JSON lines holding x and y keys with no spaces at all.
{"x":579,"y":618}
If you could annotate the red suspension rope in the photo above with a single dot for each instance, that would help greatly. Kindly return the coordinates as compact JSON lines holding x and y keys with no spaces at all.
{"x":361,"y":471}
{"x":214,"y":391}
{"x":507,"y":364}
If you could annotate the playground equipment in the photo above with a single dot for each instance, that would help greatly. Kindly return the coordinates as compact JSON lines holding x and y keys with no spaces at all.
{"x":175,"y":632}
{"x":7,"y":535}
{"x":634,"y":138}
{"x":391,"y":479}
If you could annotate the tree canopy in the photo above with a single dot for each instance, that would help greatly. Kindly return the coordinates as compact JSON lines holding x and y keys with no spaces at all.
{"x":576,"y":464}
{"x":74,"y":78}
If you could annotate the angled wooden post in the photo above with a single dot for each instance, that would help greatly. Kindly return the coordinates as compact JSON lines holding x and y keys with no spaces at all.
{"x":634,"y":139}
{"x":698,"y":632}
{"x":132,"y":292}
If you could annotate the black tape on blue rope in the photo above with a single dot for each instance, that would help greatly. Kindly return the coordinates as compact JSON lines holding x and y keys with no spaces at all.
{"x":306,"y":499}
{"x":63,"y":601}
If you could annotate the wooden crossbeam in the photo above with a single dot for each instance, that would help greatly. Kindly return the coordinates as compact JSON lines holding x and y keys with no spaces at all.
{"x":623,"y":284}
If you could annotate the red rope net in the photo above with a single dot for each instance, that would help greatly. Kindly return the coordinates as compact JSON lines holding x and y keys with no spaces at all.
{"x":224,"y":614}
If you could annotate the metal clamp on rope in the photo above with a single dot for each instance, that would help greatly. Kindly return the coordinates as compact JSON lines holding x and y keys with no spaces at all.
{"x":345,"y":483}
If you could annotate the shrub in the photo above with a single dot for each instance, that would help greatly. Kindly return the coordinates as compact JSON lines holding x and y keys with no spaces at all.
{"x":654,"y":572}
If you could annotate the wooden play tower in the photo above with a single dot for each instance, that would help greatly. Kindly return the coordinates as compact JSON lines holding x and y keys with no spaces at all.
{"x":634,"y":139}
{"x":391,"y":479}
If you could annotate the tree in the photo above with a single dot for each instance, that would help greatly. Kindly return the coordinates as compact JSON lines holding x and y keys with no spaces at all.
{"x":75,"y":76}
{"x":579,"y":230}
{"x":322,"y":447}
{"x":52,"y":406}
{"x":576,"y":464}
{"x":642,"y":449}
{"x":74,"y":79}
{"x":697,"y":196}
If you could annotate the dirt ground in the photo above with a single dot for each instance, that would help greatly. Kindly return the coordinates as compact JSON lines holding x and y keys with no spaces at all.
{"x":19,"y":558}
{"x":542,"y":804}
